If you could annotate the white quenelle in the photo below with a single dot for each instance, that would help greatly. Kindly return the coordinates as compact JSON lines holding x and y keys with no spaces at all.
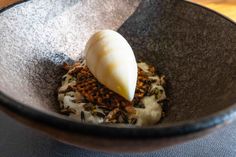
{"x":111,"y":60}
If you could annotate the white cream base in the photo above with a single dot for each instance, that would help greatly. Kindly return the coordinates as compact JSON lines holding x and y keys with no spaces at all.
{"x":149,"y":115}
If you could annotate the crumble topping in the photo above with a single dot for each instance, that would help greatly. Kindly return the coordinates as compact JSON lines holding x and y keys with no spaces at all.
{"x":83,"y":98}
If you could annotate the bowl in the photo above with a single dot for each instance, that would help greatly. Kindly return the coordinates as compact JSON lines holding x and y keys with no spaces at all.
{"x":193,"y":46}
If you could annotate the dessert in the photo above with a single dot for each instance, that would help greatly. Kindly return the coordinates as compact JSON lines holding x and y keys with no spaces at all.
{"x":109,"y":87}
{"x":111,"y":60}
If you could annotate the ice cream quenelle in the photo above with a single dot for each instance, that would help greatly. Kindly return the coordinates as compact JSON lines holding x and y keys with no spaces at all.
{"x":111,"y":60}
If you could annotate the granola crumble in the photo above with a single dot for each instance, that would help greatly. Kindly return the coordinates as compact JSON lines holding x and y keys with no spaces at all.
{"x":83,"y":98}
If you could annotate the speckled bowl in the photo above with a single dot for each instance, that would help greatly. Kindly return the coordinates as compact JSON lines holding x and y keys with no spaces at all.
{"x":193,"y":46}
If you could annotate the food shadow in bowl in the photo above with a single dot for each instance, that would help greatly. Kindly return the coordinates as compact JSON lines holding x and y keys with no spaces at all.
{"x":192,"y":46}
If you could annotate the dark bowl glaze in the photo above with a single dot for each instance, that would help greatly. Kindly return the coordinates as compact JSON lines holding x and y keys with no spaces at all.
{"x":193,"y":46}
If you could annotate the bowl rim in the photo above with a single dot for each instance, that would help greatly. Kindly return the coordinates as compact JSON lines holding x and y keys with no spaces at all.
{"x":107,"y":131}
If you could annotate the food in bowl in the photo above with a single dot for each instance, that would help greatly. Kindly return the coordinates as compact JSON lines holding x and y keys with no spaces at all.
{"x":109,"y":87}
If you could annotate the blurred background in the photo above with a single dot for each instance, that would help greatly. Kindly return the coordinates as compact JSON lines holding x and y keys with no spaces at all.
{"x":225,"y":7}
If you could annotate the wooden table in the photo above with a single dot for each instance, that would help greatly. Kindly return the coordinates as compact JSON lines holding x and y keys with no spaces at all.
{"x":5,"y":3}
{"x":226,"y":7}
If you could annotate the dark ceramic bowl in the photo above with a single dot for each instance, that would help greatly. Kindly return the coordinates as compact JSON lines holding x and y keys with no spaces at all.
{"x":193,"y":46}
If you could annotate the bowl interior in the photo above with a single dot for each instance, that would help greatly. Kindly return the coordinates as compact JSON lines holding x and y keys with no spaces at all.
{"x":192,"y":46}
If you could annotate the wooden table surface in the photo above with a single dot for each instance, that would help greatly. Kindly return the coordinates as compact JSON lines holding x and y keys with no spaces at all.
{"x":226,"y":7}
{"x":5,"y":3}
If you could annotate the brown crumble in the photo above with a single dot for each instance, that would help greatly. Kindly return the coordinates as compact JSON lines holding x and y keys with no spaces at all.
{"x":115,"y":108}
